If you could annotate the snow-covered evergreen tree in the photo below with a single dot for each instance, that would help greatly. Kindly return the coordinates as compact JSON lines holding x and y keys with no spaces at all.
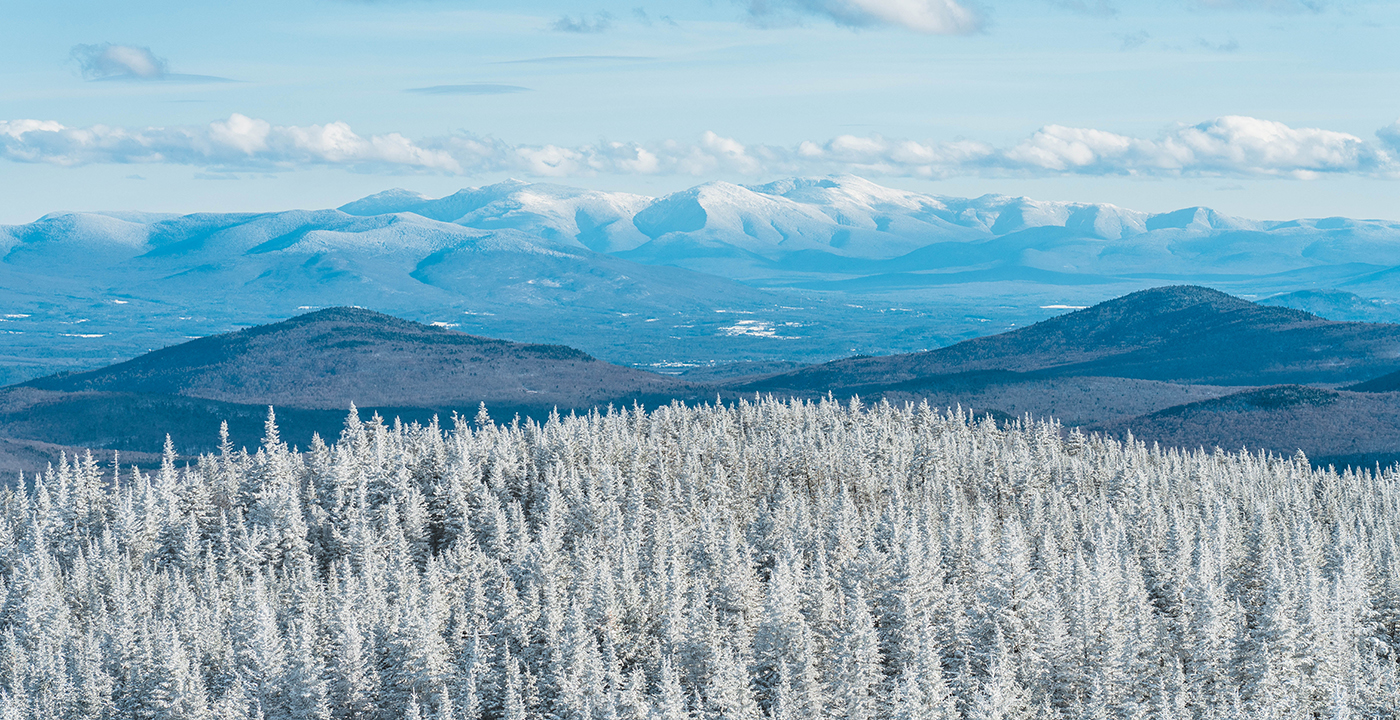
{"x":785,"y":560}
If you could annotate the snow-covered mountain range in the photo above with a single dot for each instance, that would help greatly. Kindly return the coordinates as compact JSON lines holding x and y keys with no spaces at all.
{"x":794,"y":270}
{"x":765,"y":232}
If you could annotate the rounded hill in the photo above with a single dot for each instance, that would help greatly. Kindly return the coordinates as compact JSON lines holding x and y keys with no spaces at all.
{"x":333,"y":357}
{"x":1178,"y":333}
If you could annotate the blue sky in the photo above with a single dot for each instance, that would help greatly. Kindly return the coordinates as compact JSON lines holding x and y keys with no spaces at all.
{"x":1268,"y":108}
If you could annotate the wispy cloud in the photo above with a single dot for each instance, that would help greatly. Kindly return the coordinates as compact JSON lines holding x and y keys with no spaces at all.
{"x":646,"y":19}
{"x":599,"y":22}
{"x":566,"y":59}
{"x":935,"y":17}
{"x":1276,"y":6}
{"x":1231,"y":146}
{"x":99,"y":62}
{"x":469,"y":89}
{"x":1133,"y":40}
{"x":1229,"y":46}
{"x":108,"y":61}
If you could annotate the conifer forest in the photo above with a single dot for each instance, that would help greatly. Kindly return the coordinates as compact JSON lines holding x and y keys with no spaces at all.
{"x":763,"y":559}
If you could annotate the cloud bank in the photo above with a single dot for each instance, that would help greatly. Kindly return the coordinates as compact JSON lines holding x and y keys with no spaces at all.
{"x":935,"y":17}
{"x":1231,"y":146}
{"x":238,"y":142}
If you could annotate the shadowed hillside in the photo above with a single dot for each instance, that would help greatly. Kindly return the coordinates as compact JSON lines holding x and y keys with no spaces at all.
{"x":1384,"y":383}
{"x":334,"y":357}
{"x":1174,"y":364}
{"x":1332,"y":427}
{"x":311,"y":367}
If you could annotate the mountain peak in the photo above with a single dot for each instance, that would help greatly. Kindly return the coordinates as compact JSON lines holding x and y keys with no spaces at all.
{"x":347,"y":315}
{"x":1181,"y":333}
{"x":1169,"y":298}
{"x":389,"y":201}
{"x":1197,"y":218}
{"x":1156,"y":315}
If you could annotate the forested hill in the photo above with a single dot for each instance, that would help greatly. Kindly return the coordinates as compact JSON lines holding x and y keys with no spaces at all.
{"x":770,"y":561}
{"x":312,"y":368}
{"x":1333,"y":427}
{"x":1183,"y":334}
{"x":334,"y":357}
{"x":1113,"y":367}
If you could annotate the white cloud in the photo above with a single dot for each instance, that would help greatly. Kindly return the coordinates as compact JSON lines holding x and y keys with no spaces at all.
{"x":241,"y":133}
{"x":239,"y":141}
{"x":936,"y":17}
{"x":100,"y":62}
{"x":107,"y":61}
{"x":1230,"y":146}
{"x":17,"y":128}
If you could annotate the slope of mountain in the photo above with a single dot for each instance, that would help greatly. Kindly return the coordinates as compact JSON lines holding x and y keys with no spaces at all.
{"x":30,"y":456}
{"x":38,"y":426}
{"x":1179,"y":334}
{"x":1073,"y":401}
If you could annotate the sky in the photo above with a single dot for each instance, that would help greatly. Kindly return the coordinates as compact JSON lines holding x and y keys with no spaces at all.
{"x":1270,"y":109}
